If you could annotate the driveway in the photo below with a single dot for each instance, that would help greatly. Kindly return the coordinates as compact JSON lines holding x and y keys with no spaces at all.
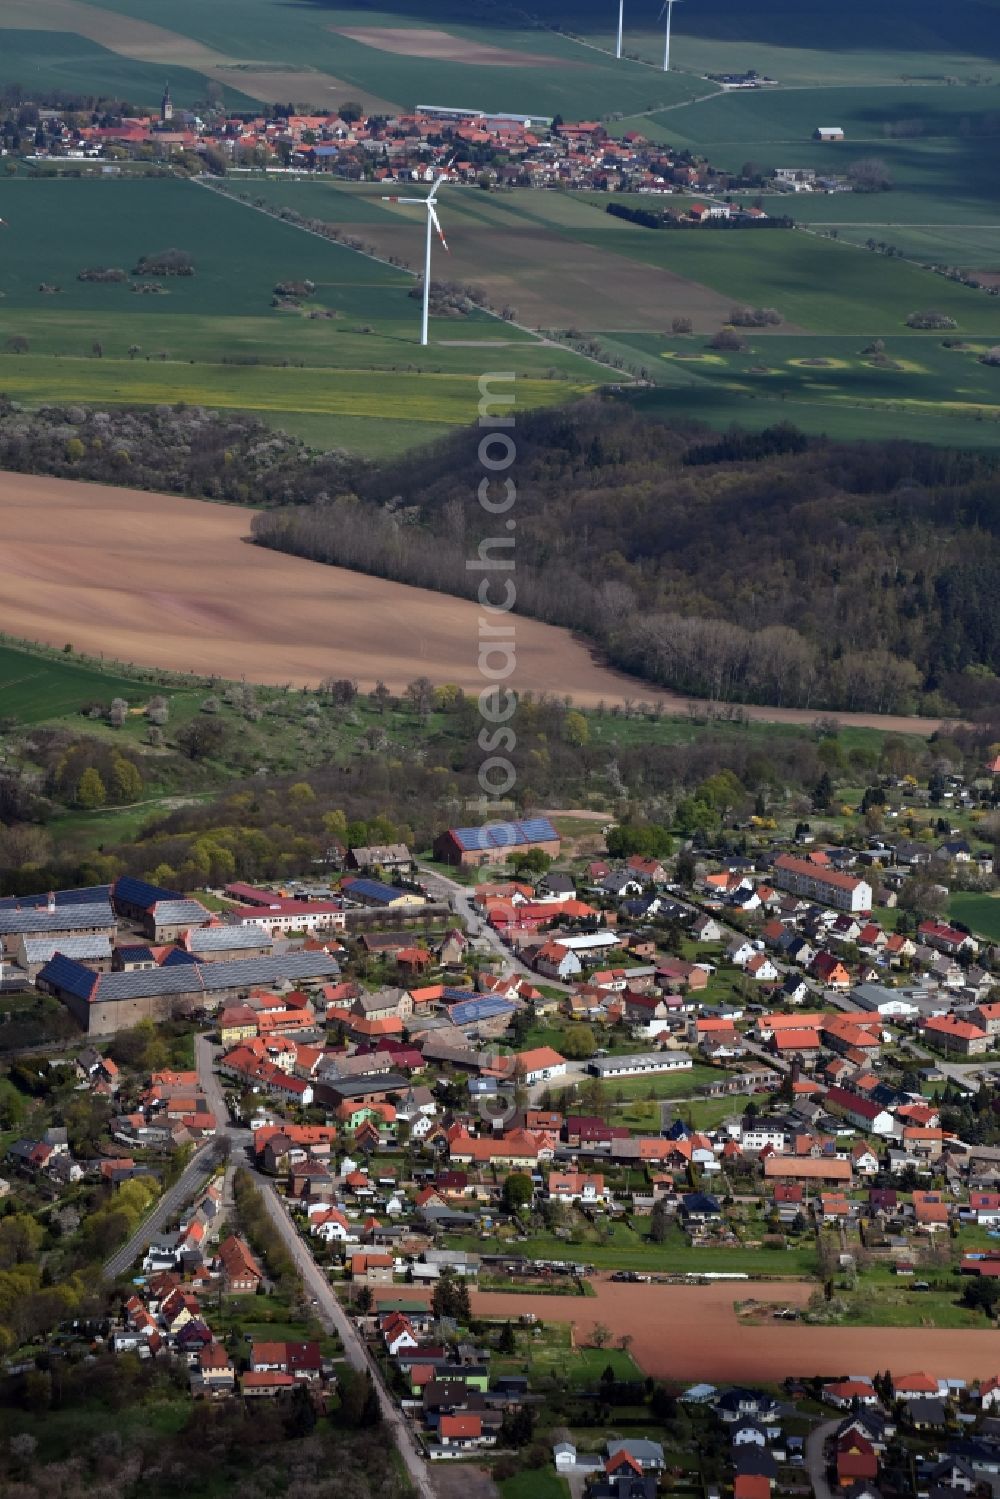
{"x":815,"y":1460}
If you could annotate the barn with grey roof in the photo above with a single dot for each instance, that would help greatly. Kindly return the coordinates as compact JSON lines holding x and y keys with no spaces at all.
{"x":103,"y":1003}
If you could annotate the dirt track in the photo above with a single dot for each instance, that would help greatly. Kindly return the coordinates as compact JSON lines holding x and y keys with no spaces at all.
{"x":172,"y":582}
{"x":692,"y":1332}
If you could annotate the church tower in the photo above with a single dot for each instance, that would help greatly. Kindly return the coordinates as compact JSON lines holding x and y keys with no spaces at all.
{"x":166,"y":105}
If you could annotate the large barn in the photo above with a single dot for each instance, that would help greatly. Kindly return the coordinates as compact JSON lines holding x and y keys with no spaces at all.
{"x":103,"y":1003}
{"x":468,"y":848}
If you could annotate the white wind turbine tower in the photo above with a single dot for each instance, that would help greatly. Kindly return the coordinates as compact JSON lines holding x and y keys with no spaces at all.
{"x":433,"y":223}
{"x":668,"y":7}
{"x":621,"y":27}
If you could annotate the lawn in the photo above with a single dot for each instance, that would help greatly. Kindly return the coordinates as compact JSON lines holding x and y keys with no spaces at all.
{"x":549,"y":1351}
{"x":628,"y":1249}
{"x":664,"y":1085}
{"x":979,"y":912}
{"x":537,"y":1483}
{"x":898,"y":1305}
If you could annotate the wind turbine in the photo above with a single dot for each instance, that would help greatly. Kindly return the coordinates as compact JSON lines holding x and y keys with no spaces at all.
{"x":433,"y":223}
{"x":621,"y":25}
{"x":668,"y":6}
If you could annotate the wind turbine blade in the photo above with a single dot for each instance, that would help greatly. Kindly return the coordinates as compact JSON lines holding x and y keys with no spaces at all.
{"x":437,"y":225}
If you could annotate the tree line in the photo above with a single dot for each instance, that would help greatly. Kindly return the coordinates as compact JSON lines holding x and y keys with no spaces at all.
{"x":764,"y":568}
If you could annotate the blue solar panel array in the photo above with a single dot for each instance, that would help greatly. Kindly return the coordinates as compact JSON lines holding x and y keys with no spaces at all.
{"x":91,"y":895}
{"x":372,"y":890}
{"x":506,"y":834}
{"x":177,"y":958}
{"x":71,"y":977}
{"x":486,"y":1007}
{"x":138,"y":893}
{"x":135,"y":952}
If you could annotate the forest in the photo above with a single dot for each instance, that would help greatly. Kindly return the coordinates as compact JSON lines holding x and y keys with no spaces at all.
{"x":742,"y":567}
{"x":765,"y":568}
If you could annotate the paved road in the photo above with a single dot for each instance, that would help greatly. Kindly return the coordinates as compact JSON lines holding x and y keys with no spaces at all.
{"x":195,"y":1174}
{"x":334,"y":1317}
{"x":329,"y":1310}
{"x":815,"y":1459}
{"x":460,"y":898}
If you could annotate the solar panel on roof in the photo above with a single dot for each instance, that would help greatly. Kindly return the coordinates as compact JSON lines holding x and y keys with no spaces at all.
{"x":177,"y":957}
{"x":373,"y":889}
{"x":507,"y":834}
{"x":67,"y":919}
{"x":70,"y":976}
{"x":184,"y":977}
{"x":140,"y":893}
{"x":86,"y":896}
{"x":471,"y":1010}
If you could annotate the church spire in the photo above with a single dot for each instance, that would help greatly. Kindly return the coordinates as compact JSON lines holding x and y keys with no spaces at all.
{"x":166,"y":104}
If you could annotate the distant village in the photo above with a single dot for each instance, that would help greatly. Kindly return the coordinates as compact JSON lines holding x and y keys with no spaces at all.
{"x":491,"y":150}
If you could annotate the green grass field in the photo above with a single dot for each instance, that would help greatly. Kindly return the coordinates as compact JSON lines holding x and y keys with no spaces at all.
{"x":558,"y":75}
{"x":539,"y":1483}
{"x":915,"y":85}
{"x":629,"y":1250}
{"x":800,"y":46}
{"x":63,"y":62}
{"x":979,"y":912}
{"x":214,"y":338}
{"x":36,"y":687}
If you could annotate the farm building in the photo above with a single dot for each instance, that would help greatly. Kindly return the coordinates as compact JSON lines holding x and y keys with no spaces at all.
{"x":47,"y":919}
{"x":470,"y":847}
{"x":285,"y":915}
{"x":32,"y":953}
{"x":828,"y":133}
{"x":639,"y":1063}
{"x":103,"y":1003}
{"x":163,"y":914}
{"x":375,"y":893}
{"x":214,"y":944}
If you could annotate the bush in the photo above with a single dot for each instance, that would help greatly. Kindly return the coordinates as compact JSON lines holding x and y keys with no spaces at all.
{"x":932,"y":320}
{"x":754,"y":317}
{"x":729,"y":340}
{"x":110,"y":273}
{"x":165,"y":263}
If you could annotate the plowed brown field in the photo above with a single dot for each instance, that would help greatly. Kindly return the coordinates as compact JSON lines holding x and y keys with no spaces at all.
{"x":692,"y":1332}
{"x":171,"y":582}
